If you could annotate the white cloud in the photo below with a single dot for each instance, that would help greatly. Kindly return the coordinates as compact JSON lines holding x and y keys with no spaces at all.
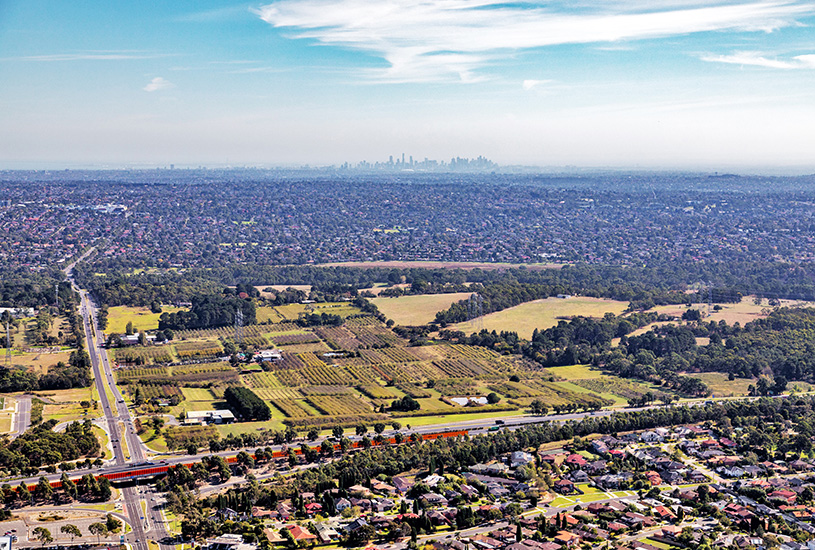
{"x":436,"y":40}
{"x":157,"y":84}
{"x":530,"y":84}
{"x":757,"y":59}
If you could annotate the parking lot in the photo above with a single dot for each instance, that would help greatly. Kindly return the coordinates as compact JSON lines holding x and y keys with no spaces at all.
{"x":25,"y":522}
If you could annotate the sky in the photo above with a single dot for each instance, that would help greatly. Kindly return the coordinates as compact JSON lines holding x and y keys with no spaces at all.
{"x":665,"y":84}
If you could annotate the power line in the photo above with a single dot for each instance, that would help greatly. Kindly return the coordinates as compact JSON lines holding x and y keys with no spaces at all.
{"x":239,"y":326}
{"x":8,"y":343}
{"x":475,"y":311}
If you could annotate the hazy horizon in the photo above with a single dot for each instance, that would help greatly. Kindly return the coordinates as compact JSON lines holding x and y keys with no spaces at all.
{"x":640,"y":85}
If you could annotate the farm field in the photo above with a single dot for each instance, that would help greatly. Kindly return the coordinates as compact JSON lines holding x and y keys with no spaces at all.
{"x":416,"y":310}
{"x":541,"y":314}
{"x":142,"y":318}
{"x":334,"y":375}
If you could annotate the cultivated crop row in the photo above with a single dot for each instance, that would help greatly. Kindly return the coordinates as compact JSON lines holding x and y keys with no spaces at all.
{"x":375,"y":391}
{"x":143,"y":355}
{"x":187,"y":350}
{"x":181,"y":370}
{"x":325,"y":390}
{"x":282,"y":327}
{"x":221,"y":332}
{"x":157,"y":391}
{"x":137,"y":373}
{"x":291,"y":408}
{"x":360,"y":373}
{"x":413,"y":390}
{"x":374,"y":336}
{"x":338,"y":337}
{"x":310,"y":359}
{"x":277,"y":393}
{"x":263,"y":380}
{"x":338,"y":406}
{"x":296,"y":338}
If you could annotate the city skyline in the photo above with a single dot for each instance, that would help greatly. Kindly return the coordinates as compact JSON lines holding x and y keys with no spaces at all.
{"x":691,"y":85}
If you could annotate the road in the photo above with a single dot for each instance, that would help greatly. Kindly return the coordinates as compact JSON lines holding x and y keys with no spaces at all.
{"x":115,"y":413}
{"x":22,"y":416}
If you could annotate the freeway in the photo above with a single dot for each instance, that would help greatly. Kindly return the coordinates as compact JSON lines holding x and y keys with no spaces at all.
{"x":114,"y":413}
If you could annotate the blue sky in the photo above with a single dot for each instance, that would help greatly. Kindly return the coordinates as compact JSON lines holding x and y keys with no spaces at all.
{"x":649,"y":84}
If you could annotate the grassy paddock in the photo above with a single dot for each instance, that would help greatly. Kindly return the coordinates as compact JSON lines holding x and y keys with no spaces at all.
{"x":251,"y":427}
{"x":575,"y":372}
{"x":743,"y":312}
{"x":40,"y":361}
{"x":142,"y":318}
{"x":66,"y":404}
{"x":197,"y":394}
{"x":417,"y":310}
{"x":579,"y":389}
{"x":542,"y":314}
{"x":267,"y":314}
{"x":722,"y":387}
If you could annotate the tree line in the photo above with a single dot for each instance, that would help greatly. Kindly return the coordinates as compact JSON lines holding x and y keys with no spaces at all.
{"x":75,"y":374}
{"x":210,"y":310}
{"x":42,"y":446}
{"x":247,"y":404}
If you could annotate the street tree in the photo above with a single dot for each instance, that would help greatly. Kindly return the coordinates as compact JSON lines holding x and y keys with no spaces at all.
{"x":71,"y":530}
{"x":43,"y":535}
{"x":99,"y":529}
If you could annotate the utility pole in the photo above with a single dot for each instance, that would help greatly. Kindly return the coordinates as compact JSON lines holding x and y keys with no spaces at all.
{"x":8,"y":343}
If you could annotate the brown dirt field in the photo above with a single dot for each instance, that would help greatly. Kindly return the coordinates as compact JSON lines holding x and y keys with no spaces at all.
{"x":440,"y":265}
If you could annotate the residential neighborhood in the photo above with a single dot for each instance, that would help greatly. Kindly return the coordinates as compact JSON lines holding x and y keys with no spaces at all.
{"x":687,"y":486}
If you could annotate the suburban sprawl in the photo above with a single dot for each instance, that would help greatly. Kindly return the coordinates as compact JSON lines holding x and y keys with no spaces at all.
{"x":437,"y":360}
